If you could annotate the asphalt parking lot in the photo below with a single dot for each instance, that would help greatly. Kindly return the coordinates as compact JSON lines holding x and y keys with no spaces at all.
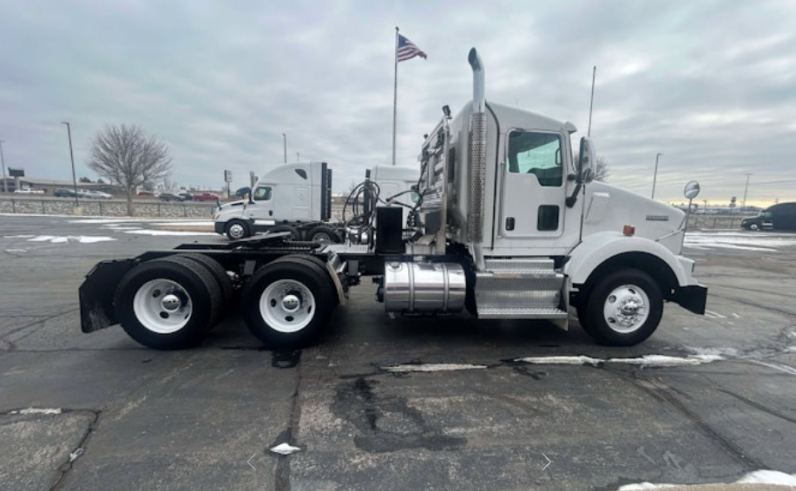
{"x":391,"y":404}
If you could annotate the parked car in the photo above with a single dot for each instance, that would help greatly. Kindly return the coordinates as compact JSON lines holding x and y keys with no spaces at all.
{"x":186,"y":196}
{"x":206,"y":197}
{"x":64,"y":193}
{"x":170,"y":197}
{"x":240,"y":193}
{"x":28,"y":191}
{"x":98,"y":195}
{"x":145,"y":194}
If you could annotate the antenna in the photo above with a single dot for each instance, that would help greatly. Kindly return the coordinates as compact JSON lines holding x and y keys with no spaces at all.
{"x":591,"y":102}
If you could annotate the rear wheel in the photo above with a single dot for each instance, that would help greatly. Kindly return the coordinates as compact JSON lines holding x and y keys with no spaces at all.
{"x":622,"y":309}
{"x":287,"y":302}
{"x":237,"y":230}
{"x":323,"y":234}
{"x":167,"y":303}
{"x":218,"y":272}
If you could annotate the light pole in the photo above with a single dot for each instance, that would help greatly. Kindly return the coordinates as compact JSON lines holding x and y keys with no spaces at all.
{"x":745,"y":189}
{"x":2,"y":160}
{"x":284,"y":140}
{"x":655,"y":176}
{"x":72,"y":158}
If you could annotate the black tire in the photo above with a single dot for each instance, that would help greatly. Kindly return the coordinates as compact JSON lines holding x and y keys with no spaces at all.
{"x":237,"y":229}
{"x":323,"y":234}
{"x":219,"y":274}
{"x":320,"y":268}
{"x":294,"y":234}
{"x":288,"y":279}
{"x":190,"y":279}
{"x":615,"y":328}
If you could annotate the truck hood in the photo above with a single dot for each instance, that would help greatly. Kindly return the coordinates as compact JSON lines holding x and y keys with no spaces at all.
{"x":610,"y":208}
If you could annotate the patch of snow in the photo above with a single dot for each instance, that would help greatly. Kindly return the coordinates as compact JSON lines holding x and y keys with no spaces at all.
{"x":187,"y":222}
{"x":756,"y":477}
{"x":667,"y":361}
{"x":791,"y":349}
{"x":432,"y":367}
{"x":560,"y":360}
{"x":18,"y":236}
{"x":36,"y":410}
{"x":284,"y":449}
{"x":645,"y":485}
{"x":166,"y":232}
{"x":768,"y":477}
{"x":714,"y":315}
{"x":775,"y":366}
{"x":12,"y":251}
{"x":74,"y":455}
{"x":646,"y":361}
{"x":722,"y":352}
{"x":62,"y":239}
{"x":123,"y":228}
{"x":758,"y":242}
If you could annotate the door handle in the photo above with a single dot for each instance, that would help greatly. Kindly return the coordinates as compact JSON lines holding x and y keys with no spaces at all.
{"x":510,"y":223}
{"x":270,"y":213}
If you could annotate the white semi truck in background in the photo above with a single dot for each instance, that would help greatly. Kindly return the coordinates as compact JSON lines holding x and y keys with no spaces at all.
{"x":507,"y":226}
{"x":297,"y":198}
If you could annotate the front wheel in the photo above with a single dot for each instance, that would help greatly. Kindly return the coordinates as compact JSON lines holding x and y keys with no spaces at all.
{"x":754,"y":227}
{"x":287,"y":302}
{"x":237,"y":229}
{"x":622,"y":309}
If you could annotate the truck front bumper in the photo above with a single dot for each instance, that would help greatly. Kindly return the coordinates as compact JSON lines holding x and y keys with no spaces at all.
{"x":219,"y":227}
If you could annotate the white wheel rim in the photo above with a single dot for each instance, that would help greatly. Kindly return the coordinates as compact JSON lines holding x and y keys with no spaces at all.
{"x":321,"y":237}
{"x":236,"y":230}
{"x":626,"y":308}
{"x":162,"y":306}
{"x":287,"y":306}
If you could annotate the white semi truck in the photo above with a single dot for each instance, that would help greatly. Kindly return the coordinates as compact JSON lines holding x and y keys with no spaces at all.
{"x":507,"y":226}
{"x":297,"y":198}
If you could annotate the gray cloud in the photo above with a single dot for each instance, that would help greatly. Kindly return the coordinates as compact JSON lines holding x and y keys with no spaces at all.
{"x":709,"y":84}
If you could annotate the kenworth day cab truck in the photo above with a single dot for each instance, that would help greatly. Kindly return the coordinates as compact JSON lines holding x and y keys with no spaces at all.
{"x":506,"y":226}
{"x":297,"y":198}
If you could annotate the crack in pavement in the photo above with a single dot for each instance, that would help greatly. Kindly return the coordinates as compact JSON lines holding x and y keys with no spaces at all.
{"x":77,"y":451}
{"x":282,"y":472}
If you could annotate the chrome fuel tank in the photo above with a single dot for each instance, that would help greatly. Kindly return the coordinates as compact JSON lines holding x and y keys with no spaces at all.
{"x":424,"y":287}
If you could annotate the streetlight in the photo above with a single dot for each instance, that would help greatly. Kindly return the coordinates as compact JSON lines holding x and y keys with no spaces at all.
{"x":745,"y":189}
{"x":655,"y":176}
{"x":284,"y":139}
{"x":72,"y":157}
{"x":5,"y":186}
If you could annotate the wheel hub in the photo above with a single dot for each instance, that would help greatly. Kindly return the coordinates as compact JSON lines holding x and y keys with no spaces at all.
{"x":170,"y":302}
{"x":291,"y":303}
{"x":626,"y":308}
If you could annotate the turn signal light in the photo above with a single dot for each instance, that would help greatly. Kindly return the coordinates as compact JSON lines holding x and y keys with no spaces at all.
{"x":629,"y":230}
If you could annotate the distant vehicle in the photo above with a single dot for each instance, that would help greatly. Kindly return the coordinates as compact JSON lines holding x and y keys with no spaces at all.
{"x":206,"y":197}
{"x":64,"y":193}
{"x":170,"y":197}
{"x":777,"y":217}
{"x":186,"y":196}
{"x":145,"y":194}
{"x":240,"y":193}
{"x":97,"y":195}
{"x":28,"y":191}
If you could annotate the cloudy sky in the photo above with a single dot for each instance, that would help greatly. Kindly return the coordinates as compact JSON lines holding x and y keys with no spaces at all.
{"x":710,"y":84}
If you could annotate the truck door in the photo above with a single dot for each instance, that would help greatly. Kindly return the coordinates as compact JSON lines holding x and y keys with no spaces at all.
{"x":263,"y":207}
{"x":534,"y":185}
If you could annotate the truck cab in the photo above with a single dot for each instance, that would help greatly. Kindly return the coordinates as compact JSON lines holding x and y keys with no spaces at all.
{"x":781,"y":216}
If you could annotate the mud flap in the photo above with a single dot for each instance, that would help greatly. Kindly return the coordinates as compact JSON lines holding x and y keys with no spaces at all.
{"x":693,"y":298}
{"x":96,"y":294}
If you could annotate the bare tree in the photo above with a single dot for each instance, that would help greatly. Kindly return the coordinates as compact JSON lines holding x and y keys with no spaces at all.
{"x":601,"y":172}
{"x":129,"y":157}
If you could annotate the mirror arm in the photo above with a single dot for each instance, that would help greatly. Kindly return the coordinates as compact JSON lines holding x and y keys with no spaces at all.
{"x":571,"y":200}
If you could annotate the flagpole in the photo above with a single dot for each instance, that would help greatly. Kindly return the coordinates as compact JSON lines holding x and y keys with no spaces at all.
{"x":395,"y":95}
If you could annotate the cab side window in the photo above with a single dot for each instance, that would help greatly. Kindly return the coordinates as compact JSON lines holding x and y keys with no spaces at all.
{"x":262,"y":193}
{"x":538,"y":154}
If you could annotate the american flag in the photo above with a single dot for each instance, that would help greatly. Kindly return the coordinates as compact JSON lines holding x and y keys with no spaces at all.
{"x":407,"y":50}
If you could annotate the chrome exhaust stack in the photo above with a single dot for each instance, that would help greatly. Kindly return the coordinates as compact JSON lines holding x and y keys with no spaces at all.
{"x":477,"y":167}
